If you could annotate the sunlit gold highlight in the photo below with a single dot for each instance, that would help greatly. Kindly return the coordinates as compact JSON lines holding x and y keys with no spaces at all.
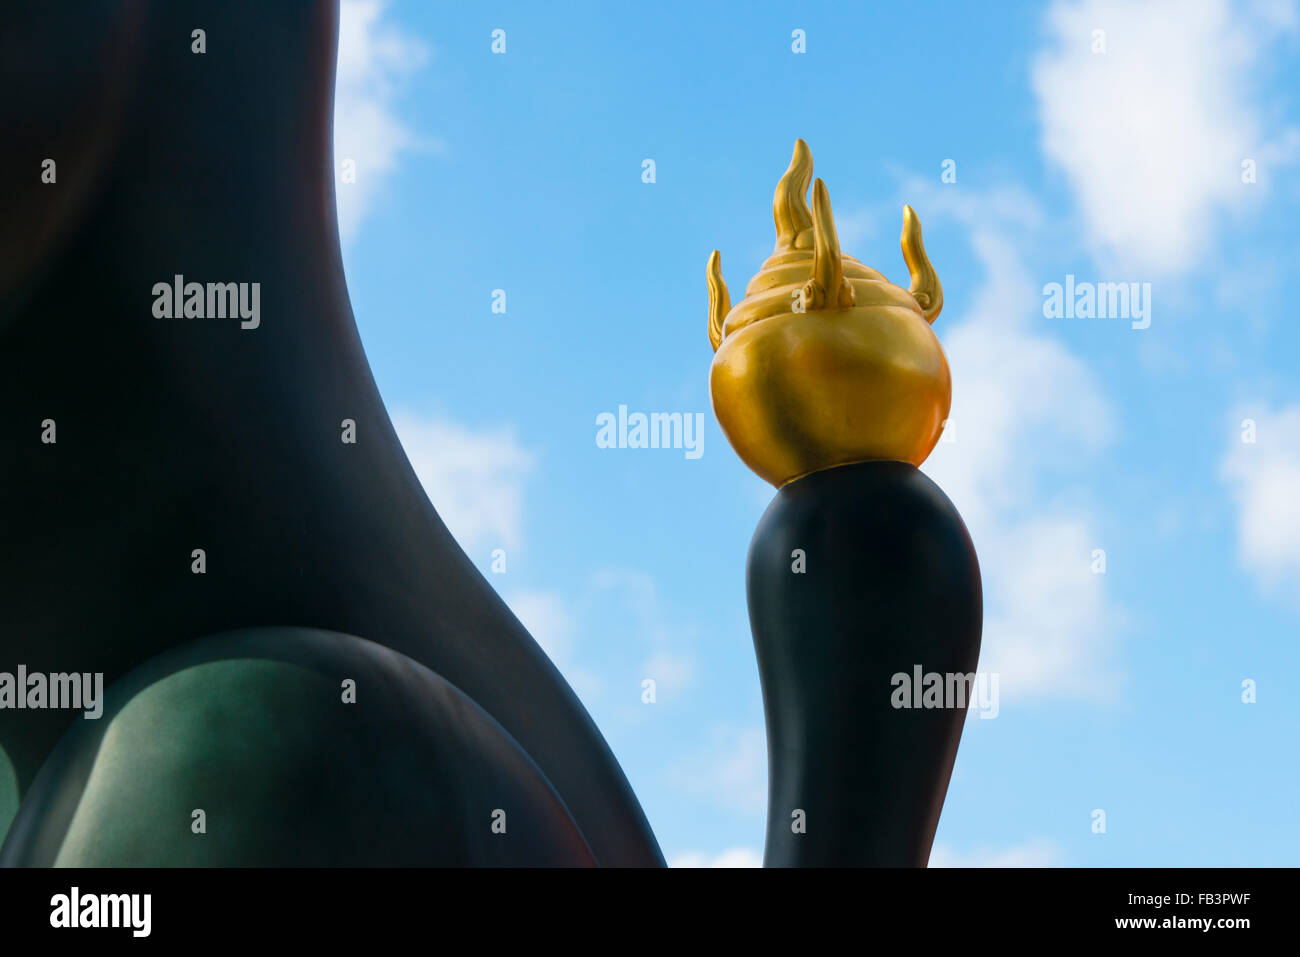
{"x":824,"y":362}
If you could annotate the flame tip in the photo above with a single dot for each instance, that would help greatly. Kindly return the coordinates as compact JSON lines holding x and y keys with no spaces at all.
{"x":789,"y":203}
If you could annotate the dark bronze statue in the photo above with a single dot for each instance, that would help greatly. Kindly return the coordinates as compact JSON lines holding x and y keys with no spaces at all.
{"x":202,"y":498}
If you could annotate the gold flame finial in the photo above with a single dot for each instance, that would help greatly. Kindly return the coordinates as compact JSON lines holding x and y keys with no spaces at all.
{"x":925,"y":288}
{"x":719,"y":299}
{"x":790,"y":203}
{"x":827,"y":285}
{"x":825,"y":362}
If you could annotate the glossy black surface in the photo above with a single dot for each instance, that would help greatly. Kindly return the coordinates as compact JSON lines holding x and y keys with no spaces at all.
{"x":177,"y":434}
{"x":891,"y":581}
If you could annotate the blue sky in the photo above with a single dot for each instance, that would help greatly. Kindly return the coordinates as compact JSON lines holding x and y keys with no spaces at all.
{"x":1112,"y":157}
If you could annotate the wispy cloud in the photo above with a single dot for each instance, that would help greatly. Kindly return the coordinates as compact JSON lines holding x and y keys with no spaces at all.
{"x":565,"y":624}
{"x":1264,"y":475}
{"x":671,"y":665}
{"x":548,"y":618}
{"x":474,"y":479}
{"x":1026,"y":412}
{"x":1151,"y":131}
{"x":729,"y":771}
{"x":376,"y":58}
{"x":671,"y":673}
{"x":732,"y":857}
{"x":1037,"y":853}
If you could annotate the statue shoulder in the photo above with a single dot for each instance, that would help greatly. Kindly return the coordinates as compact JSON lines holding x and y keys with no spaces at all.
{"x":290,"y":746}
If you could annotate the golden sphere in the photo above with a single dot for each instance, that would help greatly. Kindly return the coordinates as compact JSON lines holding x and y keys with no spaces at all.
{"x":800,"y":392}
{"x":825,"y":362}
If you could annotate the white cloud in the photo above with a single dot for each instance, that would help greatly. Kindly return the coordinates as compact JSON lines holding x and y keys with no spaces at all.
{"x":1151,"y":133}
{"x":1031,"y":854}
{"x":1281,"y":15}
{"x":671,"y":667}
{"x":1047,"y":625}
{"x":733,"y":857}
{"x":1026,"y":415}
{"x":730,"y":770}
{"x":854,"y":227}
{"x":638,"y":591}
{"x":1265,"y":479}
{"x":375,"y":57}
{"x":1021,"y":400}
{"x":672,"y":673}
{"x":547,"y":617}
{"x":474,"y":479}
{"x":560,"y":623}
